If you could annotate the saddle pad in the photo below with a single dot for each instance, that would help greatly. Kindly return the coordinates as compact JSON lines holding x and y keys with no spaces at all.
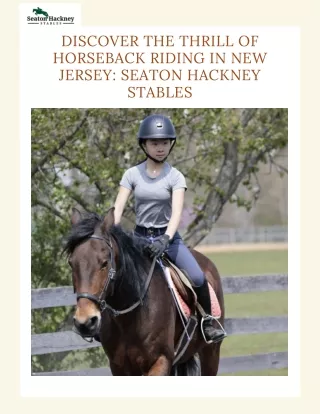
{"x":215,"y":306}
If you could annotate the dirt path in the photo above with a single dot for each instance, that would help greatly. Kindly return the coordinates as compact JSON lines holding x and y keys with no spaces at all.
{"x":241,"y":247}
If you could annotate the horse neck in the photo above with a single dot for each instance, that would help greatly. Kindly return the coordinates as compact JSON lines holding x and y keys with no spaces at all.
{"x":123,"y":296}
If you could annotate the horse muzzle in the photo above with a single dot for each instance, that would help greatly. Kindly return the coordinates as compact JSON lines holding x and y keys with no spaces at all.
{"x":88,"y":327}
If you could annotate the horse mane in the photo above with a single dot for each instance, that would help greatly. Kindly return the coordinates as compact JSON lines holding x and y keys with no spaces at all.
{"x":133,"y":264}
{"x":81,"y":231}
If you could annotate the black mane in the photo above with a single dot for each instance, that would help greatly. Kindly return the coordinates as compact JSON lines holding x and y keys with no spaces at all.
{"x":82,"y":231}
{"x":133,"y":264}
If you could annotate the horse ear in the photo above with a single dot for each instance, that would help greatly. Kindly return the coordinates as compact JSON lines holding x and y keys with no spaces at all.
{"x":108,"y":221}
{"x":76,"y":216}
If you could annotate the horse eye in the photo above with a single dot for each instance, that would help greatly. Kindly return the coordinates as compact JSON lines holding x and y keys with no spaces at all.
{"x":104,"y":264}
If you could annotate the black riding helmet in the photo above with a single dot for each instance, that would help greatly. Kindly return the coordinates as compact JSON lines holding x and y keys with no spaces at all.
{"x":153,"y":127}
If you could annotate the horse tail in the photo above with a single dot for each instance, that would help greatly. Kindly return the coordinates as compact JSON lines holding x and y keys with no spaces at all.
{"x":188,"y":368}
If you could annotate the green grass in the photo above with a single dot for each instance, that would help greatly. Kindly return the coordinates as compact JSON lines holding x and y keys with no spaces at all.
{"x":254,"y":344}
{"x":250,"y":263}
{"x":242,"y":305}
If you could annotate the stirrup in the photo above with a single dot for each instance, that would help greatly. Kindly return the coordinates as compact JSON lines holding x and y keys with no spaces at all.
{"x":210,"y":341}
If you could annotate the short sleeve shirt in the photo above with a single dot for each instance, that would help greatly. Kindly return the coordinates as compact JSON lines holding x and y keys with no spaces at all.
{"x":153,"y":196}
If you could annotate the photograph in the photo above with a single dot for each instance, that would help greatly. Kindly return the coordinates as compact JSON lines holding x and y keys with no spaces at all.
{"x":159,"y":242}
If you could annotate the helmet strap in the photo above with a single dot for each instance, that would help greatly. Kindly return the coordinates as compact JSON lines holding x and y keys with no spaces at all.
{"x":153,"y":159}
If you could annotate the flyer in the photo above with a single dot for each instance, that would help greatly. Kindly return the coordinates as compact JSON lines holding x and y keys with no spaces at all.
{"x":231,"y":88}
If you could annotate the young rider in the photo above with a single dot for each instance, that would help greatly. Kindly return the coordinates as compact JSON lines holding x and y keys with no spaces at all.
{"x":159,"y":195}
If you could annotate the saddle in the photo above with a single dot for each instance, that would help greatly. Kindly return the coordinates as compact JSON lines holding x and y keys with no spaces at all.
{"x":185,"y":295}
{"x":187,"y":305}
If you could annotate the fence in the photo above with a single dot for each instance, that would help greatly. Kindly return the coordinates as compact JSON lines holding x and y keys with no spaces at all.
{"x":269,"y":234}
{"x":47,"y":343}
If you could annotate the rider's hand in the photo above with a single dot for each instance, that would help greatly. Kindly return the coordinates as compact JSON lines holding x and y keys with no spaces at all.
{"x":158,"y":247}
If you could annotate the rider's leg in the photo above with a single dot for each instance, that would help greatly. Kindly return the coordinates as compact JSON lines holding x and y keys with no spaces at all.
{"x":183,"y":258}
{"x":210,"y":331}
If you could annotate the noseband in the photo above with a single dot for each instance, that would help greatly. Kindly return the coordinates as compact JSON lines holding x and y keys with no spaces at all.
{"x":110,"y":281}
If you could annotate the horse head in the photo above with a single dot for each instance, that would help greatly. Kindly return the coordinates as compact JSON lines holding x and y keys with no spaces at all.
{"x":91,"y":255}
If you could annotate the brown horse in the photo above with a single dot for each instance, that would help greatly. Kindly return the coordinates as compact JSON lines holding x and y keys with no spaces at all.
{"x":123,"y":296}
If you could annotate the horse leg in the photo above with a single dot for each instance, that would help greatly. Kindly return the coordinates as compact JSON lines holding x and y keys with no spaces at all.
{"x":162,"y":366}
{"x":209,"y":357}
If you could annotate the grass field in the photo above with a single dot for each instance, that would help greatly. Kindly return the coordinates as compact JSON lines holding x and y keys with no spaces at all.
{"x":241,"y":305}
{"x":254,"y":304}
{"x":254,"y":344}
{"x":250,"y":263}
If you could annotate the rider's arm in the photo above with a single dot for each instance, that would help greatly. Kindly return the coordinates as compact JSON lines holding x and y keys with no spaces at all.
{"x":120,"y":203}
{"x":177,"y":206}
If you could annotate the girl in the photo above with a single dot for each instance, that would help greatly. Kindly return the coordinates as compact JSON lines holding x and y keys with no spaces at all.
{"x":159,"y":195}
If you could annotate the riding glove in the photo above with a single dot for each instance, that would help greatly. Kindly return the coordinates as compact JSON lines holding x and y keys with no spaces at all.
{"x":157,"y":248}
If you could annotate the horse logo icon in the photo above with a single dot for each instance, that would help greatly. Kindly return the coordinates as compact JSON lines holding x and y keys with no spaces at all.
{"x":38,"y":11}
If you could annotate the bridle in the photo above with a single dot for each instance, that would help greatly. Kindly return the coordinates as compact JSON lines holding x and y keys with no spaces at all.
{"x":110,"y":283}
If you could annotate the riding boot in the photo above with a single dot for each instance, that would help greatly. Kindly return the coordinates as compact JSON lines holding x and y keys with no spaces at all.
{"x":211,"y":333}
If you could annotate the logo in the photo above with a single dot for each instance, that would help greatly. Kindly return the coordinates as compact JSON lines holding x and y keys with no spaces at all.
{"x":42,"y":17}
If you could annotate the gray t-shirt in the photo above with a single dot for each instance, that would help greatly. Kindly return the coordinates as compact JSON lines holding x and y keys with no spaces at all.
{"x":153,"y":196}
